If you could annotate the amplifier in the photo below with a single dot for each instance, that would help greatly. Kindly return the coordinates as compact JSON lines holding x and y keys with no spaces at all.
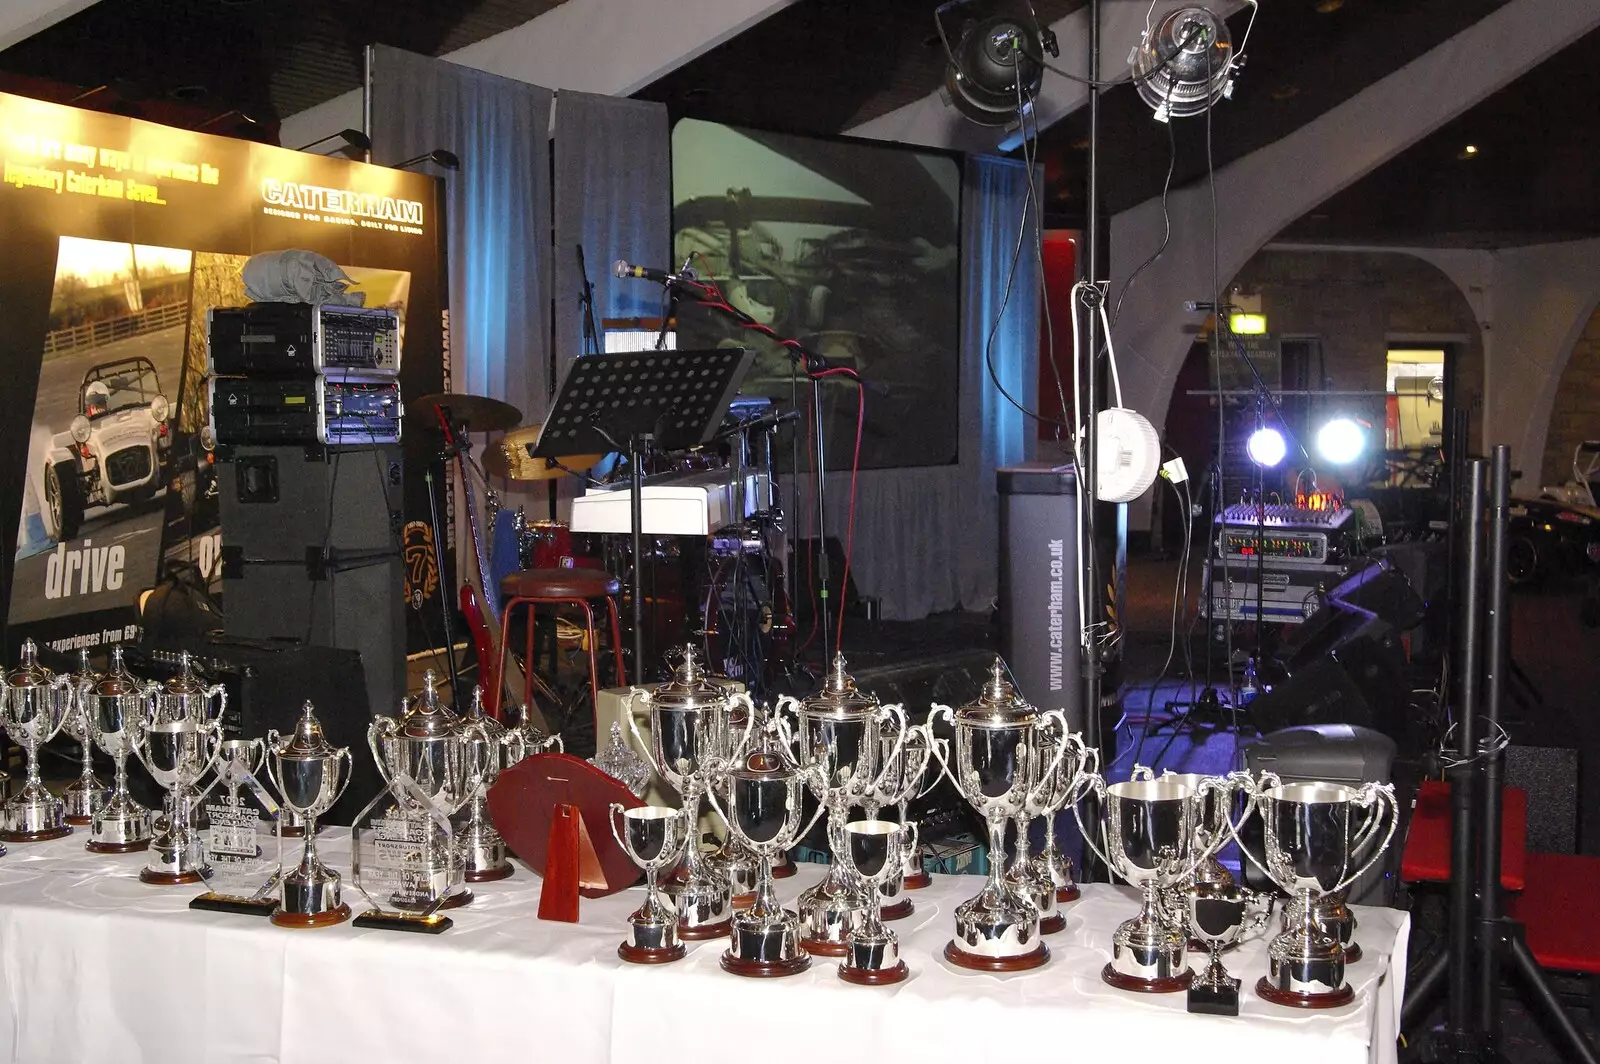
{"x":1291,"y":590}
{"x":309,"y":410}
{"x":1244,"y":544}
{"x":299,"y":339}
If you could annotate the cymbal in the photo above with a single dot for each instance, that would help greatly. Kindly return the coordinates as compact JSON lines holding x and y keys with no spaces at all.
{"x":508,"y":457}
{"x":478,"y":413}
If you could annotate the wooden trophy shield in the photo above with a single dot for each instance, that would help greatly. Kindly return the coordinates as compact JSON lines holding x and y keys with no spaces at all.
{"x":526,"y":803}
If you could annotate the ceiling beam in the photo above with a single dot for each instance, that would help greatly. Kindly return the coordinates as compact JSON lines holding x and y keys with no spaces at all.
{"x":612,"y":47}
{"x":929,"y":121}
{"x":21,"y":19}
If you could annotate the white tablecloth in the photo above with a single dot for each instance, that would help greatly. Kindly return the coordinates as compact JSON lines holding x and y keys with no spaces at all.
{"x":101,"y":967}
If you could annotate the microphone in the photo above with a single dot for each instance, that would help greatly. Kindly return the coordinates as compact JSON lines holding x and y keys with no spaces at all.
{"x":622,"y":268}
{"x":1190,"y":305}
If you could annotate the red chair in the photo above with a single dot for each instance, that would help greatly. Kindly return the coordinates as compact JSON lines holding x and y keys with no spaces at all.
{"x":580,"y":588}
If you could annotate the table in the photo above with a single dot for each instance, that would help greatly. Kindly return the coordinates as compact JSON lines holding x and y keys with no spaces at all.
{"x":100,"y":967}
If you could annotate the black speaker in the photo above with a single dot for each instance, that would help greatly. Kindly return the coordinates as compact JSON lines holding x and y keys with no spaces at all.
{"x":1357,"y":678}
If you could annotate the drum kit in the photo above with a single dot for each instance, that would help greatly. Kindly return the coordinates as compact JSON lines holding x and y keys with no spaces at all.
{"x":729,"y":590}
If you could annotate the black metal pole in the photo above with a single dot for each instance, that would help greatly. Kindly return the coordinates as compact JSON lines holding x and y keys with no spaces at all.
{"x":636,"y":445}
{"x":444,"y":584}
{"x":1494,"y":663}
{"x":1089,"y":563}
{"x":1463,"y":777}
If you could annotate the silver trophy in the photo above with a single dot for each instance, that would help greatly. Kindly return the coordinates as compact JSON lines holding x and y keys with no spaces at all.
{"x":243,"y":878}
{"x":1040,"y":877}
{"x":873,"y":851}
{"x":995,"y":754}
{"x":1219,"y":917}
{"x":424,"y":758}
{"x":841,"y":748}
{"x":652,"y":837}
{"x":691,"y":745}
{"x":179,"y":743}
{"x":733,"y":860}
{"x":311,"y":774}
{"x":1310,"y":832}
{"x":88,"y":793}
{"x":114,"y":707}
{"x":1148,"y":830}
{"x":622,"y":764}
{"x":764,"y":800}
{"x":490,"y":749}
{"x":902,"y":779}
{"x":34,"y":703}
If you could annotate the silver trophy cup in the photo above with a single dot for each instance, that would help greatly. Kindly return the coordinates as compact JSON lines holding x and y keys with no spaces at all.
{"x":902,"y":779}
{"x":1147,"y":827}
{"x":873,"y":851}
{"x":490,"y":749}
{"x":652,"y":837}
{"x":310,"y":773}
{"x":179,"y":743}
{"x":88,"y":793}
{"x":34,"y":703}
{"x":995,"y":753}
{"x":1219,"y":917}
{"x":114,"y":708}
{"x":1043,"y":876}
{"x":1309,"y":833}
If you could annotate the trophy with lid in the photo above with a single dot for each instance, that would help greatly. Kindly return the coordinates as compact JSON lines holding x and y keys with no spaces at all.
{"x":1041,"y":877}
{"x":180,"y":741}
{"x":114,"y":709}
{"x":410,"y":855}
{"x":840,"y":749}
{"x":34,"y":702}
{"x":311,"y":773}
{"x":490,"y":748}
{"x":995,"y":748}
{"x":691,"y":746}
{"x":734,"y":860}
{"x":901,"y":780}
{"x":764,"y":801}
{"x":87,"y":794}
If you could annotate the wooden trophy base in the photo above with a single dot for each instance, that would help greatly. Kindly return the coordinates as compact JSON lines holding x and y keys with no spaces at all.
{"x":898,"y":911}
{"x":117,"y":847}
{"x":36,"y":836}
{"x":1053,"y":924}
{"x":764,"y":969}
{"x":322,"y":919}
{"x":221,"y":903}
{"x":1352,"y":953}
{"x":704,"y":931}
{"x":1146,"y":986}
{"x":1267,"y":992}
{"x":742,"y":901}
{"x":79,"y":821}
{"x":916,"y":881}
{"x":783,"y":869}
{"x":457,"y":900}
{"x":977,"y":963}
{"x":1066,"y":894}
{"x":641,"y":955}
{"x":823,"y":948}
{"x":383,"y":920}
{"x":874,"y":976}
{"x":169,"y":879}
{"x":492,"y":875}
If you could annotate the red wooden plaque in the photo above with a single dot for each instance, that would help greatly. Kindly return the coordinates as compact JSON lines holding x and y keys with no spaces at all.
{"x":522,"y":805}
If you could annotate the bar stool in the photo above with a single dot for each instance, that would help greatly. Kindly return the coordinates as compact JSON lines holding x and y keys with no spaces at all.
{"x":562,"y":587}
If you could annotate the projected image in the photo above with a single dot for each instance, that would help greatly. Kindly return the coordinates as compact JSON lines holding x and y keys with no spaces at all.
{"x":100,"y":450}
{"x":849,"y":248}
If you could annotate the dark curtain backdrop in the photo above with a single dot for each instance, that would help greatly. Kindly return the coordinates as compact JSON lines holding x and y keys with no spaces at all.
{"x":498,"y":212}
{"x":927,"y":538}
{"x":613,"y":185}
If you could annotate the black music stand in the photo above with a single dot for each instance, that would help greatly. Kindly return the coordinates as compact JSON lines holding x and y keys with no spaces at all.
{"x":633,"y":400}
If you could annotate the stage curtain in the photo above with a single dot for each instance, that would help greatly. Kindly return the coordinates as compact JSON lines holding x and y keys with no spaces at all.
{"x":613,"y":184}
{"x":927,"y":538}
{"x":497,"y":215}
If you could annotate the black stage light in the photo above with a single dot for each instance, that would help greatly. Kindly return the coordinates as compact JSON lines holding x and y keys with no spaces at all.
{"x":995,"y":69}
{"x":439,"y":157}
{"x":353,"y":138}
{"x":1186,"y":62}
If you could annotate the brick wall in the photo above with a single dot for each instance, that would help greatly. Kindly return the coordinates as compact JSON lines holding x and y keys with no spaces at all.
{"x":1576,"y":413}
{"x":1353,"y":301}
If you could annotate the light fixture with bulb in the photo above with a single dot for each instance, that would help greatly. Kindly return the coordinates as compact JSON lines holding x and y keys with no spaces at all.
{"x":1341,"y":441}
{"x":1266,"y":447}
{"x":1186,"y":62}
{"x":996,"y":66}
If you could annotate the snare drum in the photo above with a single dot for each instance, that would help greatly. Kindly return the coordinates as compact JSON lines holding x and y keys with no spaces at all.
{"x":547,"y":545}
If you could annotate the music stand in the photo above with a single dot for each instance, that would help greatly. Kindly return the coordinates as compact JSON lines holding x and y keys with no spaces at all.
{"x":673,"y":400}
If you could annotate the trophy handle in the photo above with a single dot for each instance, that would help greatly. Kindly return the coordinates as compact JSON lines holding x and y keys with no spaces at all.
{"x":1088,"y":769}
{"x":384,"y":727}
{"x":896,"y":713}
{"x":218,"y":694}
{"x":1374,"y":796}
{"x":913,"y":776}
{"x":933,"y":747}
{"x":1226,"y":785}
{"x":1253,"y":789}
{"x":612,"y":812}
{"x":59,"y":684}
{"x":1143,"y":774}
{"x":711,"y":795}
{"x":941,"y":750}
{"x":822,"y":807}
{"x":1047,"y":777}
{"x":638,"y":736}
{"x":349,"y":770}
{"x":737,"y":756}
{"x":1097,"y":784}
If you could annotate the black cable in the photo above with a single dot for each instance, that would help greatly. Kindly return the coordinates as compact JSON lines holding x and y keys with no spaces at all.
{"x":1166,"y":217}
{"x":1028,"y":161}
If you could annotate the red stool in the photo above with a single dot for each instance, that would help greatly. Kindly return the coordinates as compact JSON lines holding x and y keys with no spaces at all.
{"x":562,"y":587}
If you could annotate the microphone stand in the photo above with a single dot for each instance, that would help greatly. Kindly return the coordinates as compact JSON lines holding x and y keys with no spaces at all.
{"x":591,"y":337}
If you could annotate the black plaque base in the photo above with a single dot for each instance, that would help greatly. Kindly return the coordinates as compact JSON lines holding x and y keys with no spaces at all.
{"x":220,"y":903}
{"x":1214,"y":1000}
{"x":417,"y":925}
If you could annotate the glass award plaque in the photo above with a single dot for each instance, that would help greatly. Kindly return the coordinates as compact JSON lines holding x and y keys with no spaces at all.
{"x":405,"y":862}
{"x":243,"y":874}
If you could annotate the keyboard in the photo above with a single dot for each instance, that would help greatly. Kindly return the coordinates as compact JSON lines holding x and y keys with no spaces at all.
{"x":685,"y":504}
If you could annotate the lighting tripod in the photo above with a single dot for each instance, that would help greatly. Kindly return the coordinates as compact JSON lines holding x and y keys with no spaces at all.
{"x":1483,"y":940}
